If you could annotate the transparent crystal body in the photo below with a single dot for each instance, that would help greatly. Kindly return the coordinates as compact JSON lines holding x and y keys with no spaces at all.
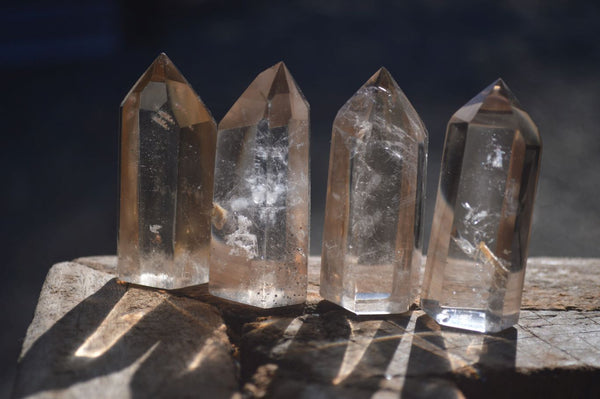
{"x":481,"y":225}
{"x":372,"y":239}
{"x":168,"y":141}
{"x":260,"y":228}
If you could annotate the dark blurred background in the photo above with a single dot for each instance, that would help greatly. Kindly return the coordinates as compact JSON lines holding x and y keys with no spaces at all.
{"x":66,"y":65}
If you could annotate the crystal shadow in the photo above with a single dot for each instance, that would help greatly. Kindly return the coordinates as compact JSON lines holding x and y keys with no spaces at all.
{"x":129,"y":334}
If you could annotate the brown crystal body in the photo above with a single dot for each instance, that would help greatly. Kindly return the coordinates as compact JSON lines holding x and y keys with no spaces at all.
{"x":373,"y":231}
{"x":167,"y":163}
{"x":260,"y":229}
{"x":481,"y":225}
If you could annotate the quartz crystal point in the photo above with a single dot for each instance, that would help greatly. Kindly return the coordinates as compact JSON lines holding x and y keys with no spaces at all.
{"x":478,"y":246}
{"x":261,"y":218}
{"x":168,"y":140}
{"x":372,"y":239}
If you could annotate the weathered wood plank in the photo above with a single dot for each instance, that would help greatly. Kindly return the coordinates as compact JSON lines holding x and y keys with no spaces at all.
{"x":93,"y":336}
{"x":562,"y":284}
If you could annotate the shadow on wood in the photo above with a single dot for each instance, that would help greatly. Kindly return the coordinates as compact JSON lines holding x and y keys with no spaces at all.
{"x":94,"y":337}
{"x":428,"y":362}
{"x":131,"y":342}
{"x":332,"y":353}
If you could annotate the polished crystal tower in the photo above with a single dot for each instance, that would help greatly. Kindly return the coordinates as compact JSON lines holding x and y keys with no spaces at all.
{"x":478,"y":246}
{"x":168,"y":140}
{"x":259,"y":251}
{"x":373,"y":217}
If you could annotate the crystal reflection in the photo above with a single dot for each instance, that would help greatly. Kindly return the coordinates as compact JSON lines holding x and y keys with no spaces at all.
{"x":167,"y":164}
{"x":373,"y":218}
{"x":259,"y":250}
{"x":482,"y":220}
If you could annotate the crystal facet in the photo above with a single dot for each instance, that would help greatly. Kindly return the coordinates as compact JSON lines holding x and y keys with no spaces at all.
{"x":261,"y":219}
{"x":168,"y":140}
{"x":372,"y":235}
{"x":478,"y":246}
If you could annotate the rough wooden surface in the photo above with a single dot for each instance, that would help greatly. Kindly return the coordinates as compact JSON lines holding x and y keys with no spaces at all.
{"x":562,"y":284}
{"x":94,"y":337}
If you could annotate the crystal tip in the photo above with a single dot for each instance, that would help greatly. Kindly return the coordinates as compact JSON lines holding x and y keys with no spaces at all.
{"x":383,"y":71}
{"x":279,"y":67}
{"x":162,"y":58}
{"x":382,"y":78}
{"x":499,"y":85}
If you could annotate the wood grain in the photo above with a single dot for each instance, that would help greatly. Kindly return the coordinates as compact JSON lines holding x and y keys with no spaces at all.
{"x":92,"y":336}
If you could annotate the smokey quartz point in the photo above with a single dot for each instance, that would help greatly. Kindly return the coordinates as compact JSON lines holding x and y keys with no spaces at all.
{"x":168,"y":140}
{"x":259,"y":250}
{"x":478,"y":246}
{"x":372,"y":239}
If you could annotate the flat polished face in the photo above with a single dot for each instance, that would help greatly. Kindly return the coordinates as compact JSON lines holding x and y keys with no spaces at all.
{"x":167,"y":163}
{"x":480,"y":233}
{"x":261,"y":227}
{"x":373,"y":230}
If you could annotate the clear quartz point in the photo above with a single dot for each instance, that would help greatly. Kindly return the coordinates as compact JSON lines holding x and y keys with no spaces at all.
{"x":372,"y":239}
{"x":260,"y":228}
{"x":478,"y":246}
{"x":168,"y":140}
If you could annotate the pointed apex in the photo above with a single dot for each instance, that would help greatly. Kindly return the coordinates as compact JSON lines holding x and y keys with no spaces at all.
{"x":162,"y":83}
{"x":383,"y":79}
{"x":161,"y":70}
{"x":383,"y":73}
{"x":273,"y":95}
{"x":500,"y":82}
{"x":279,"y":85}
{"x":381,"y":101}
{"x":496,"y":97}
{"x":500,"y":87}
{"x":160,"y":63}
{"x":162,"y":57}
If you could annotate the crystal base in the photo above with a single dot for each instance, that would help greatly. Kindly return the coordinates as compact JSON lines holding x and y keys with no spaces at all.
{"x":371,"y":304}
{"x":480,"y":320}
{"x":264,"y":300}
